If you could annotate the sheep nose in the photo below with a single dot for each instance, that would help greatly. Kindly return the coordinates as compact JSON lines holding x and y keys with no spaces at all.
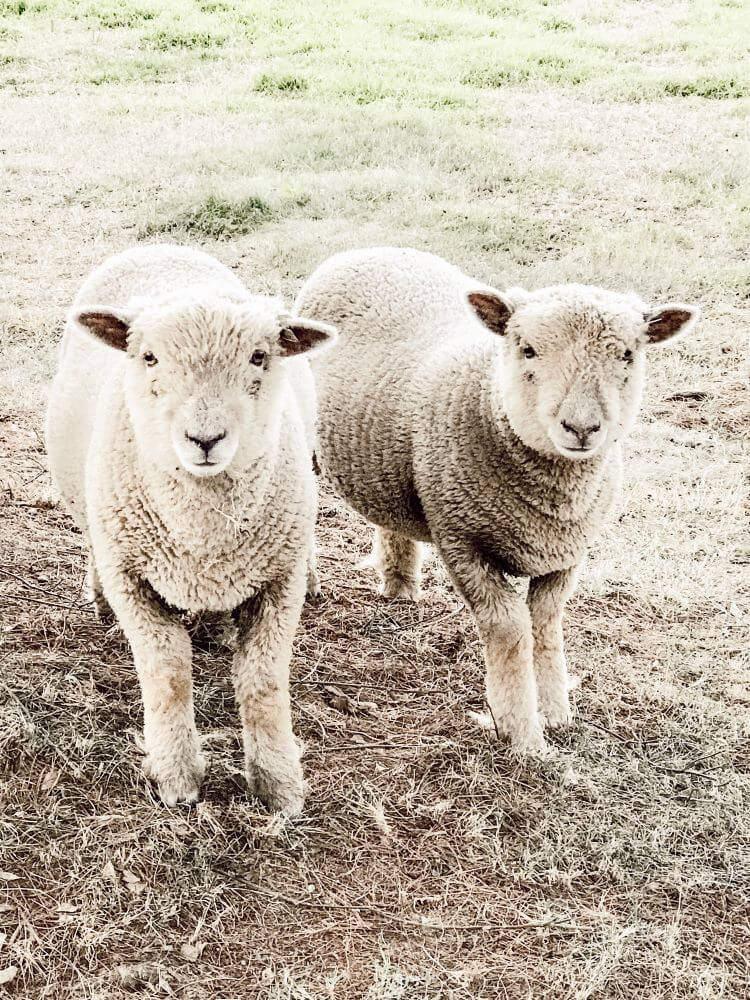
{"x":206,"y":444}
{"x":582,"y":431}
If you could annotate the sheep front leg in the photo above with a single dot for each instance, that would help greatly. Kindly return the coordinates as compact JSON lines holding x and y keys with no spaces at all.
{"x":504,"y":625}
{"x":546,"y":599}
{"x":163,"y":660}
{"x":266,"y":625}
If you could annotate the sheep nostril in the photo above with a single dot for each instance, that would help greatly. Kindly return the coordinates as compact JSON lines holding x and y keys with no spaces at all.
{"x":580,"y":432}
{"x":206,"y":444}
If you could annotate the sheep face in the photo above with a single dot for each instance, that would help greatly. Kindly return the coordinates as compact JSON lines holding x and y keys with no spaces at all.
{"x":573,"y":362}
{"x":204,"y":379}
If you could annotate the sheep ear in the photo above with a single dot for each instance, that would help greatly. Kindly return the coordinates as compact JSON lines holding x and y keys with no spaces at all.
{"x":668,"y":321}
{"x":109,"y":325}
{"x":300,"y":336}
{"x":492,"y":308}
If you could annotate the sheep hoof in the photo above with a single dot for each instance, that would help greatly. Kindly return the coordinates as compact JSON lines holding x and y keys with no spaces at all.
{"x":526,"y":736}
{"x":557,"y":716}
{"x":313,"y":585}
{"x":282,"y":794}
{"x":177,"y":780}
{"x":529,"y":743}
{"x":530,"y":750}
{"x":399,"y":589}
{"x":102,"y":610}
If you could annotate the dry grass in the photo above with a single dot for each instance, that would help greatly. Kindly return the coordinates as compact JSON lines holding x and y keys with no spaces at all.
{"x":531,"y":143}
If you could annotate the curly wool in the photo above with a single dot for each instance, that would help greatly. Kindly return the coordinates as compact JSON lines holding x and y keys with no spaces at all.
{"x":407,"y":418}
{"x":161,"y":541}
{"x":422,"y":431}
{"x":207,"y":543}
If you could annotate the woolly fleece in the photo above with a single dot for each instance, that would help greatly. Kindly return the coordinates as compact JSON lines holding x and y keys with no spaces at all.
{"x":506,"y":458}
{"x":162,"y":540}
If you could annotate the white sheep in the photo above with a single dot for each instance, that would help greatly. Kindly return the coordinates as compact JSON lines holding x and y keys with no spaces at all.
{"x":177,"y":440}
{"x":502,"y":451}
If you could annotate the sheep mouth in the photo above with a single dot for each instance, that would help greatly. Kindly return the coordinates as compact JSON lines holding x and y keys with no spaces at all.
{"x":205,"y":469}
{"x":567,"y":452}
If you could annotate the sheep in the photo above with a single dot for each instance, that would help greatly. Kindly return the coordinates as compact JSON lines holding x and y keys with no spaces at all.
{"x":178,"y":438}
{"x":488,"y":424}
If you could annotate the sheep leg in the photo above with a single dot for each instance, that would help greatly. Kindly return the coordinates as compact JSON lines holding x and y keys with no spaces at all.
{"x":313,"y":580}
{"x":546,"y":599}
{"x":102,"y":610}
{"x":398,"y":561}
{"x":266,"y":625}
{"x":504,"y":625}
{"x":163,"y":660}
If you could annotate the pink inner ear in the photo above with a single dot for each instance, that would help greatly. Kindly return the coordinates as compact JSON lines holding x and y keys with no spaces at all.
{"x":108,"y":328}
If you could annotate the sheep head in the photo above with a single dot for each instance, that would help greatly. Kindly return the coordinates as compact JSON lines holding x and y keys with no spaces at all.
{"x":573,"y":361}
{"x":204,"y":376}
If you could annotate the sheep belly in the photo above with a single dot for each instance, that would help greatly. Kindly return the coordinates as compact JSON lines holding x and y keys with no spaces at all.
{"x":364,"y":445}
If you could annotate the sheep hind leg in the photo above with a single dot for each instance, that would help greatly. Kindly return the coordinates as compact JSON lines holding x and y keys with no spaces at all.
{"x":398,"y":561}
{"x":95,"y":593}
{"x":312,"y":589}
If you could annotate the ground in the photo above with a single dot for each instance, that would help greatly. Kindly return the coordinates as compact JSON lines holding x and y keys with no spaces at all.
{"x":529,"y":142}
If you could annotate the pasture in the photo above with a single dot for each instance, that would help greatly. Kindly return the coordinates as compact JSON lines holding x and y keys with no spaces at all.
{"x":531,"y":142}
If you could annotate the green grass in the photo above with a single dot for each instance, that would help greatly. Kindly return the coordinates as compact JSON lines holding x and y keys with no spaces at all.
{"x":166,"y":40}
{"x":531,"y":143}
{"x":133,"y":71}
{"x":268,"y":83}
{"x":120,"y":15}
{"x":712,"y":87}
{"x":219,"y":218}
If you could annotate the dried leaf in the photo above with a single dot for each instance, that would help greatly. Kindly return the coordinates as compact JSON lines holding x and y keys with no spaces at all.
{"x":51,"y":778}
{"x":8,"y":974}
{"x":139,"y":975}
{"x":67,"y":908}
{"x":109,"y":873}
{"x":134,"y":884}
{"x":192,"y":952}
{"x":8,"y":876}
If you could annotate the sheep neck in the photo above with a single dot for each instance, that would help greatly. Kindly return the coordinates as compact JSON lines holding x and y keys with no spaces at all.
{"x":199,"y":513}
{"x":558,"y":488}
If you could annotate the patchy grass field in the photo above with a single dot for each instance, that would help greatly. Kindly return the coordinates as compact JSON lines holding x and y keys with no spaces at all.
{"x":530,"y":142}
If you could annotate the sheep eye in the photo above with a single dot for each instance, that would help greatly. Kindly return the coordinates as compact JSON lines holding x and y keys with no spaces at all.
{"x":529,"y":352}
{"x":258,"y":358}
{"x":150,"y":359}
{"x":627,"y":356}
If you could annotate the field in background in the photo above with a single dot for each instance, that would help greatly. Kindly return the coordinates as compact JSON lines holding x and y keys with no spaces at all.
{"x":529,"y":142}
